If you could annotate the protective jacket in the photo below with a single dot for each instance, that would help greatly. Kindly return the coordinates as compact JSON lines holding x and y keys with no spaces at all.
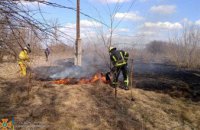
{"x":119,"y":58}
{"x":23,"y":55}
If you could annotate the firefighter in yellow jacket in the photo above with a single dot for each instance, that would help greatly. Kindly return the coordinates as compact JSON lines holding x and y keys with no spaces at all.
{"x":119,"y":60}
{"x":23,"y":59}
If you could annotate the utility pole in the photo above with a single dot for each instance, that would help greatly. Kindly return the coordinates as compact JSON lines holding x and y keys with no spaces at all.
{"x":78,"y":47}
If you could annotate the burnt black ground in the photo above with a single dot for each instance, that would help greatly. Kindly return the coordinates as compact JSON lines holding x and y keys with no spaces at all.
{"x":177,"y":82}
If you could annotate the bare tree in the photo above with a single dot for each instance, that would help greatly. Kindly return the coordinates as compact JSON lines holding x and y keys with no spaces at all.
{"x":105,"y":34}
{"x":18,"y":27}
{"x":184,"y":49}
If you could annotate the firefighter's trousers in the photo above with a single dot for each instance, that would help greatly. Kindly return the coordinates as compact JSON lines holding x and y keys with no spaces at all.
{"x":117,"y":71}
{"x":47,"y":56}
{"x":23,"y":68}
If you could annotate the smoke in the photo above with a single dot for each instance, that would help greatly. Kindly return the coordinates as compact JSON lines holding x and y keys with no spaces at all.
{"x":91,"y":64}
{"x":70,"y":72}
{"x":95,"y":59}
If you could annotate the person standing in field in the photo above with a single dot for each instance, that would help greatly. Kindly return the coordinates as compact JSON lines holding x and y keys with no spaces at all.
{"x":47,"y":53}
{"x":22,"y":61}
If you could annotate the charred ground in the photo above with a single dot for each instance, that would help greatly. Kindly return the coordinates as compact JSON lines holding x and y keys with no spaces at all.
{"x":177,"y":82}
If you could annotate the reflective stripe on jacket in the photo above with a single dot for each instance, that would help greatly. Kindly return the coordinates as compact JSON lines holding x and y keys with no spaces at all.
{"x":119,"y":58}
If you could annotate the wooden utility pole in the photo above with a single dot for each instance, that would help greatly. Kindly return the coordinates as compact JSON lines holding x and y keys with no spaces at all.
{"x":78,"y":48}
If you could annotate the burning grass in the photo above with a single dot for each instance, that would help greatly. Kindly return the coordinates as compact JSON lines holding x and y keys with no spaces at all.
{"x":98,"y":77}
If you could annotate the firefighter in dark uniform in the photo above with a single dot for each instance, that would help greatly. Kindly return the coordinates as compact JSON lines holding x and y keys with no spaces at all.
{"x":119,"y":60}
{"x":47,"y":53}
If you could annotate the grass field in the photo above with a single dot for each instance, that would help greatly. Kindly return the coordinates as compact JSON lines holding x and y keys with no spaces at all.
{"x":91,"y":106}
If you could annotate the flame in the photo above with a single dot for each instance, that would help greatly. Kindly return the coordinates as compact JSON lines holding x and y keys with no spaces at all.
{"x":62,"y":81}
{"x":83,"y":81}
{"x":95,"y":78}
{"x":103,"y":79}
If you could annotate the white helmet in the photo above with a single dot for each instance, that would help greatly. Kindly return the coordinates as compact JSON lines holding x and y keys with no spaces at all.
{"x":25,"y":48}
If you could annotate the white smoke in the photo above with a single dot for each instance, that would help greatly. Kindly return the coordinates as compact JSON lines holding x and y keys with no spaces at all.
{"x":70,"y":72}
{"x":91,"y":64}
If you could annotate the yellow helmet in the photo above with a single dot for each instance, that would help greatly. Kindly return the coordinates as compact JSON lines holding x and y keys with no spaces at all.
{"x":112,"y":48}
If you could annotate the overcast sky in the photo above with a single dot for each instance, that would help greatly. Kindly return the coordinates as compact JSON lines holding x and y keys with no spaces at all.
{"x":153,"y":19}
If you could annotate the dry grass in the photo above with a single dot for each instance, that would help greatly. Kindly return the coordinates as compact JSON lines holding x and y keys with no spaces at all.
{"x":93,"y":106}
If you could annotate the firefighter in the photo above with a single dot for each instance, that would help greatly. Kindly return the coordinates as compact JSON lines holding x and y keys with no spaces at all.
{"x":47,"y":53}
{"x":23,"y":59}
{"x":119,"y":60}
